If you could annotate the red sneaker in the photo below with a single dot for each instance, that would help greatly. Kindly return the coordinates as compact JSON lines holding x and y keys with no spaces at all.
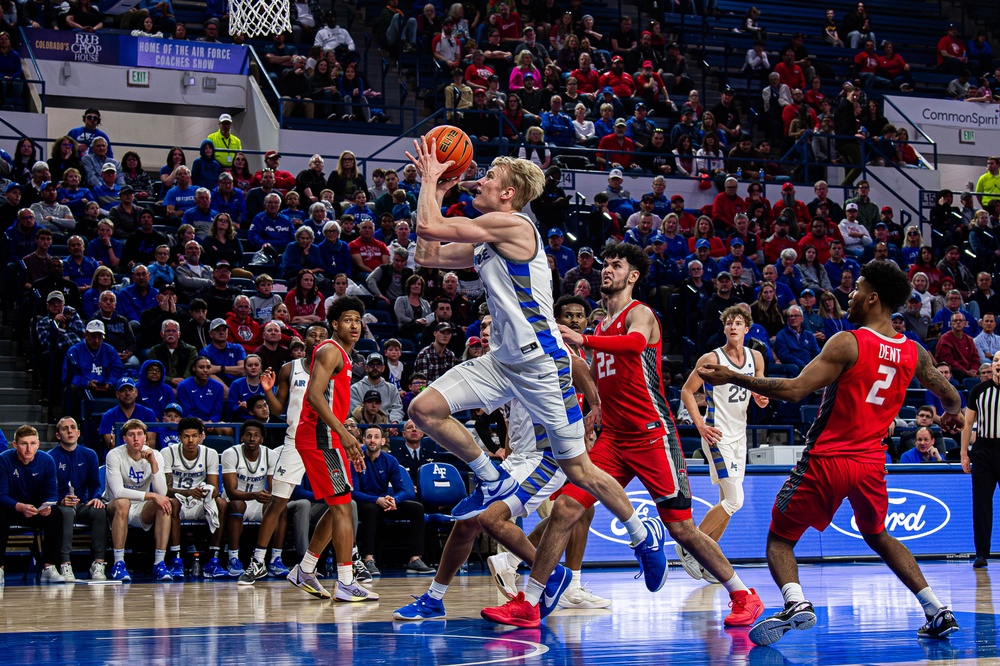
{"x":746,"y":606}
{"x":520,"y":613}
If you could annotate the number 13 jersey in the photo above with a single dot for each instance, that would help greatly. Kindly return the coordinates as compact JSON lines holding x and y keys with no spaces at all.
{"x":858,"y":407}
{"x":727,"y":404}
{"x":630,"y":386}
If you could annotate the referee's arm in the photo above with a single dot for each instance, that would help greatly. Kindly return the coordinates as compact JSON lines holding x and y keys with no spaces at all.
{"x":970,"y":418}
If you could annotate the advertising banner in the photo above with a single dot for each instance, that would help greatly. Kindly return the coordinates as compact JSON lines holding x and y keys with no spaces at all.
{"x":929,"y":513}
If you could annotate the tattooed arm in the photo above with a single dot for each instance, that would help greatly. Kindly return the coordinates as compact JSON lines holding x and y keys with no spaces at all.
{"x":838,"y":355}
{"x":929,"y":377}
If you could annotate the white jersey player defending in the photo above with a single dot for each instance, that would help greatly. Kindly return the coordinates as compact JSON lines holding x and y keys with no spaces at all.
{"x":528,"y":359}
{"x":723,"y":430}
{"x":136,"y":496}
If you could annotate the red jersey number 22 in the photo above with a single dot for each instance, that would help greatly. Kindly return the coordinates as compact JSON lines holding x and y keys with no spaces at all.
{"x":605,"y":365}
{"x":888,"y":373}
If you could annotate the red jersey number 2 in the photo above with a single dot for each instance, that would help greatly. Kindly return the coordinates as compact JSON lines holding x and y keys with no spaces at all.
{"x":888,"y":373}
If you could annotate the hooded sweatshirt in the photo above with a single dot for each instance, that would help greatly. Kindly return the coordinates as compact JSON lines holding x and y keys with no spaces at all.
{"x":205,"y":170}
{"x":154,"y":396}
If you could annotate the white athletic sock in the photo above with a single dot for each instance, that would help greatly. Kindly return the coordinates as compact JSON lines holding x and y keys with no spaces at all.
{"x":234,"y":554}
{"x":158,"y":556}
{"x":513,"y":560}
{"x":792,"y":592}
{"x":437,"y":590}
{"x":734,"y":584}
{"x":259,"y":554}
{"x":308,"y":563}
{"x":345,"y":573}
{"x":175,"y":551}
{"x":484,"y":469}
{"x":533,"y":591}
{"x":119,"y":554}
{"x":275,"y":554}
{"x":574,"y":582}
{"x":929,"y":601}
{"x":636,"y":530}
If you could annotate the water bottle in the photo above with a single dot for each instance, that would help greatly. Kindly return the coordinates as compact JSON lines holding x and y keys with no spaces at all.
{"x":739,"y":173}
{"x":195,"y":565}
{"x":760,"y":176}
{"x":71,"y":489}
{"x":331,"y":569}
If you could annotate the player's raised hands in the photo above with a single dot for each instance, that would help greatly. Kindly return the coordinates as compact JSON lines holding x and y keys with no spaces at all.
{"x":715,"y":374}
{"x":267,"y":379}
{"x":570,"y":336}
{"x":761,"y":400}
{"x":425,"y":159}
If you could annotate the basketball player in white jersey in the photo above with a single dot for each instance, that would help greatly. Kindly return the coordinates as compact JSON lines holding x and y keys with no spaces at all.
{"x":136,"y":496}
{"x":723,"y":430}
{"x":247,"y":471}
{"x":284,"y":393}
{"x":190,"y":467}
{"x":527,"y":358}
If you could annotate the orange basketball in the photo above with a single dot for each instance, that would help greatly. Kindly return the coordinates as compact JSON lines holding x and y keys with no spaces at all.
{"x":452,"y":144}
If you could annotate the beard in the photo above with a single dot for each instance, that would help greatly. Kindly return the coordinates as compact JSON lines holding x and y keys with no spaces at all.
{"x":612,"y":288}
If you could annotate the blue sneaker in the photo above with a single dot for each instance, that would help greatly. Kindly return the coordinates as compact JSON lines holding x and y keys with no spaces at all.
{"x":425,"y":607}
{"x":486,"y":493}
{"x":119,"y":572}
{"x":161,"y":572}
{"x":213,"y":569}
{"x":177,"y":567}
{"x":277,"y":568}
{"x":652,"y":558}
{"x":235,"y":568}
{"x":554,"y":587}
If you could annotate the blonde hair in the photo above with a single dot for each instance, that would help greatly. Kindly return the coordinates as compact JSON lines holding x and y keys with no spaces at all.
{"x":535,"y":130}
{"x":133,"y":424}
{"x":524,"y":176}
{"x":24,"y":431}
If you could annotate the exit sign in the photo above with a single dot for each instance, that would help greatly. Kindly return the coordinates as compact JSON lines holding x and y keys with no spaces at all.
{"x":138,"y":77}
{"x":967,"y":136}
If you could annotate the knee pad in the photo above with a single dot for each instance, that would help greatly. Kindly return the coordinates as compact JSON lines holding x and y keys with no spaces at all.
{"x":732,"y":495}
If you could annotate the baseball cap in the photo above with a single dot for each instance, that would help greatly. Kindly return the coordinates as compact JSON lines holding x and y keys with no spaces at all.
{"x":216,"y":323}
{"x":123,"y":382}
{"x":897,"y":315}
{"x":640,"y":105}
{"x":443,"y":326}
{"x":686,"y":109}
{"x":620,"y":121}
{"x":55,"y":296}
{"x":12,"y":185}
{"x":48,"y":183}
{"x":174,"y":407}
{"x":886,"y":209}
{"x":95,"y":327}
{"x":915,"y":298}
{"x":372,"y":394}
{"x":676,"y":198}
{"x":724,"y":275}
{"x":607,"y":90}
{"x":555,"y":231}
{"x":225,"y":118}
{"x":375,"y":358}
{"x":222,"y":263}
{"x":108,"y":166}
{"x":617,"y":58}
{"x":615,"y":173}
{"x":702,"y":242}
{"x":474,"y":340}
{"x":736,"y":241}
{"x":125,"y":190}
{"x":787,"y":186}
{"x":225,"y":175}
{"x":807,"y":292}
{"x":162,"y":286}
{"x":658,"y":238}
{"x":271,"y":153}
{"x":851,"y":206}
{"x":647,"y":63}
{"x":881,"y":224}
{"x":585,"y":250}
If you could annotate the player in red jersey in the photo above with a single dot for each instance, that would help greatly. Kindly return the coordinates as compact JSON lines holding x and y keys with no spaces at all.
{"x":865,"y":373}
{"x":325,"y":446}
{"x":639,"y":437}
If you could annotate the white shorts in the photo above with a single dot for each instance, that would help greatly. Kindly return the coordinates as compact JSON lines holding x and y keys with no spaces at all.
{"x":191,"y":508}
{"x":253,"y":512}
{"x":538,"y":476}
{"x":135,"y":514}
{"x":542,"y":385}
{"x":288,"y":472}
{"x":726,"y":460}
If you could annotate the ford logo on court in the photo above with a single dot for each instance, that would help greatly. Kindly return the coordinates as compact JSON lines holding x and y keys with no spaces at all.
{"x":911,"y":515}
{"x":614,"y":531}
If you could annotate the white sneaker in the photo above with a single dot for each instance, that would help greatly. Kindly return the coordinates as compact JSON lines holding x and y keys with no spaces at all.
{"x":690,"y":564}
{"x":354,"y":592}
{"x":582,"y":598}
{"x":709,"y":578}
{"x":1,"y":578}
{"x":51,"y":575}
{"x":97,"y":571}
{"x":66,"y":571}
{"x":504,"y":575}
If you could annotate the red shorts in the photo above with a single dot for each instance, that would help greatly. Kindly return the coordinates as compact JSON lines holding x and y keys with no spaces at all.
{"x":329,"y":473}
{"x":817,"y":487}
{"x":659,"y":464}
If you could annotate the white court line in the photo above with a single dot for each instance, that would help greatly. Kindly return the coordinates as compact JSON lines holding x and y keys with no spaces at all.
{"x":539,"y":649}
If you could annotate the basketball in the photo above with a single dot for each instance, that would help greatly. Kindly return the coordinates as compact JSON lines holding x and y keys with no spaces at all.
{"x":452,"y":144}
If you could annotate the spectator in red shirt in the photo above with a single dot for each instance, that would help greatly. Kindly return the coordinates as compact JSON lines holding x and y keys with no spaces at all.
{"x":477,"y":75}
{"x":508,"y":23}
{"x":866,"y":64}
{"x":791,"y":110}
{"x":367,"y":253}
{"x":243,"y":329}
{"x":727,"y":205}
{"x":619,"y":80}
{"x":817,"y":238}
{"x":685,"y":220}
{"x":788,"y":200}
{"x":892,"y":66}
{"x":790,"y":73}
{"x":616,"y":150}
{"x":588,"y":79}
{"x":778,"y":241}
{"x":951,"y":54}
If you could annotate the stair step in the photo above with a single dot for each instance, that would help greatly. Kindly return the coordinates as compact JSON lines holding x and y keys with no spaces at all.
{"x":16,"y":396}
{"x":13,"y":379}
{"x":6,"y":347}
{"x":20,"y":413}
{"x":12,"y":363}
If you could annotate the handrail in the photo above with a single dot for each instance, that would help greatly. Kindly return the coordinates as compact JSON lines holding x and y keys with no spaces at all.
{"x":927,"y":138}
{"x":34,"y":64}
{"x":263,"y":71}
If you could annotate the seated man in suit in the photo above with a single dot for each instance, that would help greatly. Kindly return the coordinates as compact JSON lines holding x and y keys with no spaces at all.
{"x":410,"y":455}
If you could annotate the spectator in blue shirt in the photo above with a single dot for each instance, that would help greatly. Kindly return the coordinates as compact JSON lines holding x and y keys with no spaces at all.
{"x":205,"y":170}
{"x":838,"y":263}
{"x":105,"y":250}
{"x":86,"y":133}
{"x":784,"y":293}
{"x":271,"y":229}
{"x":78,"y":267}
{"x":94,"y":161}
{"x":154,"y":392}
{"x":180,"y":197}
{"x":127,"y":408}
{"x":244,"y":388}
{"x":676,"y":244}
{"x":226,"y":198}
{"x":923,"y":450}
{"x":79,"y":490}
{"x":22,"y":233}
{"x":376,"y":502}
{"x":336,"y":253}
{"x":702,"y":248}
{"x":227,"y":358}
{"x":360,"y":210}
{"x":558,"y":126}
{"x":565,"y":257}
{"x":794,"y":344}
{"x":200,"y":215}
{"x":138,"y":297}
{"x":736,"y":255}
{"x":200,"y":395}
{"x":91,"y":365}
{"x":642,"y":233}
{"x":28,"y":493}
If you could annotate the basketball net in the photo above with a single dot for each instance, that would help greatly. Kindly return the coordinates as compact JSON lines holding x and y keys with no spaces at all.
{"x":259,"y":18}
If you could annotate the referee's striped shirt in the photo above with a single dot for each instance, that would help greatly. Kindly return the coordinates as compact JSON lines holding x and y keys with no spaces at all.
{"x":985,"y":400}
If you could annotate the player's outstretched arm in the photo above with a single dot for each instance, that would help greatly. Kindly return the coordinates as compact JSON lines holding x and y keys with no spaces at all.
{"x":838,"y":355}
{"x":327,"y":363}
{"x":692,"y":385}
{"x":935,"y":382}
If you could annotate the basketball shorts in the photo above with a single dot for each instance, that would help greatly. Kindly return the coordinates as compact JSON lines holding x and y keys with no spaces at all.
{"x":659,"y":464}
{"x":288,"y":471}
{"x":329,"y":473}
{"x":135,"y":514}
{"x":542,"y":385}
{"x":817,"y":487}
{"x":254,"y":512}
{"x":538,"y":475}
{"x":726,"y":459}
{"x":191,"y":508}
